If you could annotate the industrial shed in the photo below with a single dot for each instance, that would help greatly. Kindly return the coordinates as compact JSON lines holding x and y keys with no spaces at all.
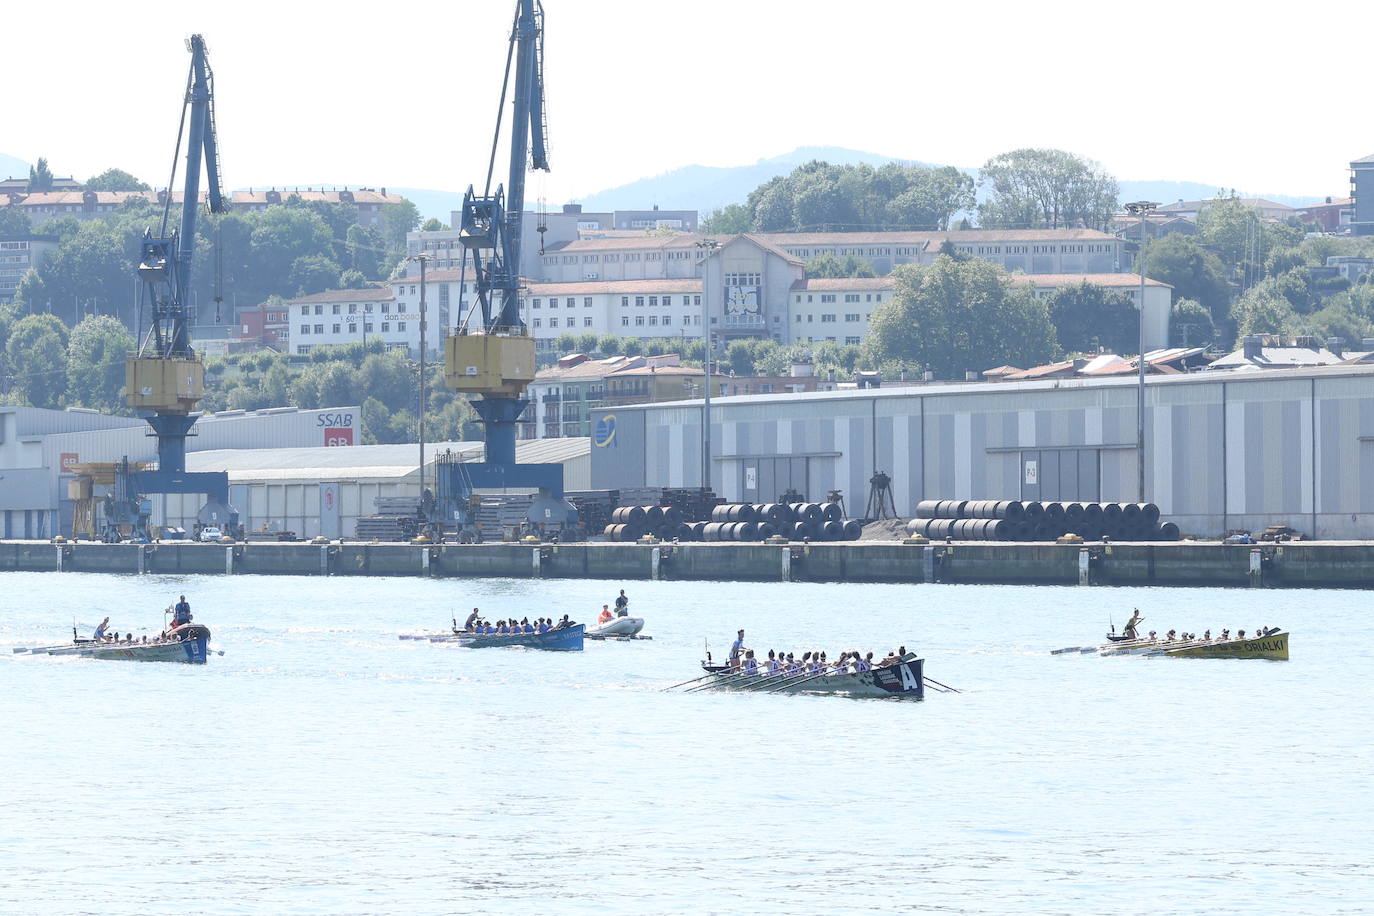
{"x":314,"y":491}
{"x":1223,"y":449}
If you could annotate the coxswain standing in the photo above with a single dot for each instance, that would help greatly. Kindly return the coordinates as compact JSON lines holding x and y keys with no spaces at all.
{"x":1129,"y":629}
{"x":736,"y":649}
{"x":622,"y":605}
{"x":99,"y":634}
{"x":182,"y":615}
{"x":471,"y":622}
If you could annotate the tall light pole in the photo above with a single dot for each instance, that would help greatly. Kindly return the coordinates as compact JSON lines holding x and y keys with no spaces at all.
{"x":423,"y":259}
{"x":1141,"y":208}
{"x":709,"y":247}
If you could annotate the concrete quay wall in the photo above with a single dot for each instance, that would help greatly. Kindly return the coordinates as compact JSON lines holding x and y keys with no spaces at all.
{"x":1309,"y":564}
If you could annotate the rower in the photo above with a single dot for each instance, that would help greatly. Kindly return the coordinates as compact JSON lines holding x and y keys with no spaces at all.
{"x":1129,"y":629}
{"x":622,"y":605}
{"x":774,"y":668}
{"x":605,"y":616}
{"x":472,"y":619}
{"x":751,"y":664}
{"x":183,"y":613}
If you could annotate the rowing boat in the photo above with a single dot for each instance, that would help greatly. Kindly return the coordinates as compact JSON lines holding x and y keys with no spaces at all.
{"x":902,"y":679}
{"x":187,"y":643}
{"x":561,"y":639}
{"x":1273,"y":646}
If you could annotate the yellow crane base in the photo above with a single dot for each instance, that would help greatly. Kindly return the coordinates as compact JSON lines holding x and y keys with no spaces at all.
{"x":165,"y":385}
{"x":489,"y":364}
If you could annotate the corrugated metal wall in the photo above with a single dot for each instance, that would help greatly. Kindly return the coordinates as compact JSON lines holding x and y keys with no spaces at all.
{"x":1222,"y":451}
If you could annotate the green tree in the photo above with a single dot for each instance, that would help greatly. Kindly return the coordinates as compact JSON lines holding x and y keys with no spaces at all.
{"x":366,"y":249}
{"x":1086,"y":317}
{"x":566,"y":343}
{"x":957,"y":316}
{"x":337,"y":386}
{"x":1191,"y":270}
{"x":1336,"y":319}
{"x":390,"y":378}
{"x":397,"y":220}
{"x":739,"y":358}
{"x":827,"y":265}
{"x":37,"y":355}
{"x":13,"y":222}
{"x":40,"y":176}
{"x":92,"y":271}
{"x":115,"y":180}
{"x":433,"y":225}
{"x":64,"y":227}
{"x":312,"y":273}
{"x":352,"y":279}
{"x":1190,"y":324}
{"x":95,"y":363}
{"x":1262,"y":309}
{"x":281,"y":235}
{"x":731,"y":219}
{"x":586,"y":343}
{"x":1033,"y":188}
{"x":608,"y":345}
{"x":276,"y":385}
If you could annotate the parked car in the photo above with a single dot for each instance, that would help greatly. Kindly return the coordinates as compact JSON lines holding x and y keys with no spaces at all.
{"x":211,"y":534}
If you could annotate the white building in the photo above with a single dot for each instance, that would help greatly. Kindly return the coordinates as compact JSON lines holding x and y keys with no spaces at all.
{"x":341,"y":316}
{"x":18,"y":255}
{"x":647,"y":309}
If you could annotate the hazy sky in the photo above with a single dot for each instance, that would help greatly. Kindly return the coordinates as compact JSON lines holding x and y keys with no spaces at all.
{"x":1261,"y":97}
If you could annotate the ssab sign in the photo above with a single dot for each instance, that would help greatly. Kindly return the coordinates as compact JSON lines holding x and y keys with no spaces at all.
{"x":338,"y":428}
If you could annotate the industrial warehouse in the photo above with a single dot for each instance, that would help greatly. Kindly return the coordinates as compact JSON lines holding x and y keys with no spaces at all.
{"x":1223,"y":451}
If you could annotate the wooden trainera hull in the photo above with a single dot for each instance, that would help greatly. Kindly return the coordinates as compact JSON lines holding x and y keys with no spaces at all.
{"x":903,"y":680}
{"x":1274,"y":647}
{"x":192,"y":648}
{"x":568,"y":639}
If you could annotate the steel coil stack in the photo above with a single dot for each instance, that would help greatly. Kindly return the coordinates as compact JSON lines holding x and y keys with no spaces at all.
{"x":1013,"y":520}
{"x":630,"y":523}
{"x":758,"y":522}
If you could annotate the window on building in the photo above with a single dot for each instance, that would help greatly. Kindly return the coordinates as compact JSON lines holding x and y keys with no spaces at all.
{"x":412,"y":290}
{"x":334,"y":328}
{"x":319,"y":329}
{"x":667,"y":320}
{"x":553,"y":321}
{"x":352,"y":329}
{"x":386,"y":308}
{"x":810,"y":319}
{"x":367,"y":328}
{"x":305,"y":329}
{"x":386,"y":327}
{"x":353,"y":308}
{"x":305,"y":310}
{"x":828,"y":318}
{"x":624,"y":321}
{"x":639,"y":300}
{"x":653,"y":320}
{"x":851,"y":297}
{"x":302,"y":349}
{"x":653,"y":300}
{"x":827,"y":297}
{"x":639,"y":320}
{"x":851,"y":340}
{"x":851,"y":316}
{"x":334,"y":309}
{"x":696,"y":300}
{"x":368,"y":308}
{"x":624,"y":301}
{"x":553,"y":302}
{"x":570,"y":302}
{"x":586,"y":321}
{"x":400,"y":326}
{"x":668,"y":300}
{"x":538,"y":323}
{"x":799,"y":319}
{"x":586,"y":302}
{"x":401,"y":308}
{"x":319,"y":310}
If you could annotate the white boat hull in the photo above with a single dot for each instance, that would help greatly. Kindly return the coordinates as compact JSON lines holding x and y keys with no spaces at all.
{"x":618,"y":626}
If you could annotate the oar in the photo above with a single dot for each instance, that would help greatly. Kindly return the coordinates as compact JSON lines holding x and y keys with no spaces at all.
{"x":692,"y":681}
{"x":930,"y":680}
{"x":722,"y":679}
{"x":796,"y":681}
{"x":1066,"y":649}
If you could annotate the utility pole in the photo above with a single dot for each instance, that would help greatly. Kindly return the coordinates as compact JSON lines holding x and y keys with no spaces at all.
{"x":1141,"y":208}
{"x":423,"y":259}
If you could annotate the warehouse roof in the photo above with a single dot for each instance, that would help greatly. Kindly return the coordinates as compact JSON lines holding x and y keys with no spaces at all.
{"x":344,"y":462}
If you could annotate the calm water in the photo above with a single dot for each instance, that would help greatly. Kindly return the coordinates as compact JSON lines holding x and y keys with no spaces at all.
{"x":323,"y":766}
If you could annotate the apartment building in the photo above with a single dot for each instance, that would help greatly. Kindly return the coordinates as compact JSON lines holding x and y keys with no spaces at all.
{"x":18,"y":255}
{"x":341,"y":316}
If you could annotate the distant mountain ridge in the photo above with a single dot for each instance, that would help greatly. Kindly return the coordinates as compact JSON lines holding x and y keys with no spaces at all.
{"x":706,"y":188}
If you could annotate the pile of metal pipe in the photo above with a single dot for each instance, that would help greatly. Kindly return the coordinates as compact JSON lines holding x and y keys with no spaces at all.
{"x":1014,"y":520}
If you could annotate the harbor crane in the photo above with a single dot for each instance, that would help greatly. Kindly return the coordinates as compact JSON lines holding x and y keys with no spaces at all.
{"x":166,"y":376}
{"x":491,"y":355}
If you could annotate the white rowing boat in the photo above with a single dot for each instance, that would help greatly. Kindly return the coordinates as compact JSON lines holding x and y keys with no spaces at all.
{"x":903,"y":678}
